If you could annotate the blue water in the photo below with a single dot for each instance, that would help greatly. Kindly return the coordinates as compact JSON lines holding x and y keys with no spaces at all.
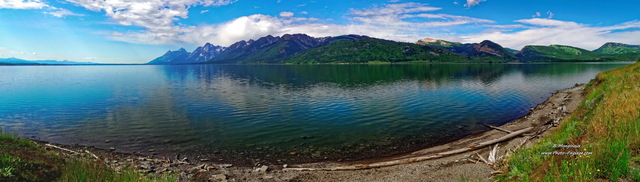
{"x":274,"y":113}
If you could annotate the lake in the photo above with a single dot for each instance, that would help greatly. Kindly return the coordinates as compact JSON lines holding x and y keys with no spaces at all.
{"x":274,"y":114}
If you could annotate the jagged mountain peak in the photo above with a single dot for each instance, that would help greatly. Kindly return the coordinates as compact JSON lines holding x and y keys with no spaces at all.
{"x":170,"y":56}
{"x":268,"y":48}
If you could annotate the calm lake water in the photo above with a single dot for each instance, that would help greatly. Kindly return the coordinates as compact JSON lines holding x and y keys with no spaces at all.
{"x":274,"y":113}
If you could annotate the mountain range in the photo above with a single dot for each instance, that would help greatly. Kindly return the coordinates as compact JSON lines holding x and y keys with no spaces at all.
{"x":304,"y":49}
{"x":301,"y":49}
{"x":181,"y":56}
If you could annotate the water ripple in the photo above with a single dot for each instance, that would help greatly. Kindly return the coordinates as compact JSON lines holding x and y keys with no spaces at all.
{"x":250,"y":112}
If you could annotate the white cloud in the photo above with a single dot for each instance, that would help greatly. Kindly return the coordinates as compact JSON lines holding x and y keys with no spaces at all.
{"x":156,"y":16}
{"x":550,"y":14}
{"x":473,"y":2}
{"x":286,"y":14}
{"x":536,"y":15}
{"x":548,"y":22}
{"x":256,"y":26}
{"x":389,"y":22}
{"x":59,"y":12}
{"x":22,"y":4}
{"x":36,"y":4}
{"x":394,"y":9}
{"x":396,"y":15}
{"x":547,"y":32}
{"x":508,"y":27}
{"x":204,"y":11}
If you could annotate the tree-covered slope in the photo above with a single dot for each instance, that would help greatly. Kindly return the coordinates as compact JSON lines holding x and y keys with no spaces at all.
{"x":562,"y":53}
{"x":366,"y":49}
{"x":485,"y":50}
{"x":631,"y":52}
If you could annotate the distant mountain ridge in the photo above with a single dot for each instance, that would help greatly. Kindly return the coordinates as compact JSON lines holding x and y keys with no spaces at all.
{"x":17,"y":61}
{"x":483,"y":50}
{"x":301,"y":48}
{"x":171,"y":57}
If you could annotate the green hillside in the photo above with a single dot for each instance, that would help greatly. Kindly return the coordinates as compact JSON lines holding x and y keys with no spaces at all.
{"x":268,"y":54}
{"x":630,"y":52}
{"x":366,"y":50}
{"x":562,"y":53}
{"x":485,"y":51}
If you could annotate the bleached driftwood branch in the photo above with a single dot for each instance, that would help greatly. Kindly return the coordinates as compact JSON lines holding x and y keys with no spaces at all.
{"x":63,"y":149}
{"x":497,"y":128}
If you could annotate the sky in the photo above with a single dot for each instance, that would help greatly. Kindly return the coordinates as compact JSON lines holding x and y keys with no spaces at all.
{"x":137,"y":31}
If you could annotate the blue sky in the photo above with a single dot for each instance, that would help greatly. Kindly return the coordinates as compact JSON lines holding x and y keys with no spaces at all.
{"x":136,"y":31}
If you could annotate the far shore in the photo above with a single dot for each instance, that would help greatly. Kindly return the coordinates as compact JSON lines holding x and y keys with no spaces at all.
{"x":335,"y":63}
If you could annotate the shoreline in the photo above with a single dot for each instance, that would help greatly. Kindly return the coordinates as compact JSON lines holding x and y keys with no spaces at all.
{"x":450,"y":168}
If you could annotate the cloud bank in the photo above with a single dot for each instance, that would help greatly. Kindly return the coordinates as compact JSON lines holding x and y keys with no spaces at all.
{"x":541,"y":31}
{"x":158,"y":18}
{"x":473,"y":3}
{"x":36,"y":4}
{"x":22,"y":4}
{"x":406,"y":22}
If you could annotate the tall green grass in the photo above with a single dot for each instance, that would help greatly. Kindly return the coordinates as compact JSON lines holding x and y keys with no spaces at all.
{"x":606,"y":124}
{"x":22,"y":160}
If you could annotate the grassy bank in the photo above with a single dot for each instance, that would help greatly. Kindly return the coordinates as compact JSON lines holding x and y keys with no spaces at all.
{"x":600,"y":140}
{"x":23,"y":160}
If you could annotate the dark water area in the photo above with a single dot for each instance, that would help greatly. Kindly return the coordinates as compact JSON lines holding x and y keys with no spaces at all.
{"x":246,"y":114}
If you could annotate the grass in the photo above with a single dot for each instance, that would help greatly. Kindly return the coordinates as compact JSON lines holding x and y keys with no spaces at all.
{"x":22,"y":160}
{"x":606,"y":126}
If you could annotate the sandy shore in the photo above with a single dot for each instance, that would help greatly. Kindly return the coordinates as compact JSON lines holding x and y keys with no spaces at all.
{"x":451,"y":168}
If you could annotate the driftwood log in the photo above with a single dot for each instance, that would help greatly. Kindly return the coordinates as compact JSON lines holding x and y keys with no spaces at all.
{"x":504,"y":130}
{"x":418,"y":158}
{"x":63,"y":149}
